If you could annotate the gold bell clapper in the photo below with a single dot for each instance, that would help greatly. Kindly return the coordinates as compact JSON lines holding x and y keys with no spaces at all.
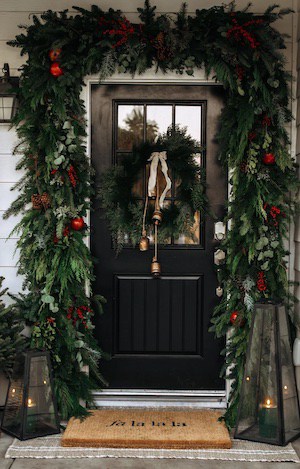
{"x":144,"y":242}
{"x":155,"y":265}
{"x":155,"y":268}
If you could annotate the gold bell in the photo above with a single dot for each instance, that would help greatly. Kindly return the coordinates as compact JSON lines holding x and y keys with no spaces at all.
{"x":144,"y":243}
{"x":155,"y":268}
{"x":157,"y":217}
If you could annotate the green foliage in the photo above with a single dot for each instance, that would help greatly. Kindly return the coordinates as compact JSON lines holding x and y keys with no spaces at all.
{"x":11,"y":342}
{"x":244,"y":51}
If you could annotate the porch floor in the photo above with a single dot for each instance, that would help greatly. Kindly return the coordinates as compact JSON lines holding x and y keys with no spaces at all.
{"x":124,"y":463}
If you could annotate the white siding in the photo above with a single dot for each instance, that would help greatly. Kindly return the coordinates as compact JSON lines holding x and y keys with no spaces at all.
{"x":297,"y":225}
{"x":15,"y":12}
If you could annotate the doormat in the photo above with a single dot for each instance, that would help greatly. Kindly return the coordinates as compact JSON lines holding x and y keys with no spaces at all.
{"x":169,"y":429}
{"x":49,"y":447}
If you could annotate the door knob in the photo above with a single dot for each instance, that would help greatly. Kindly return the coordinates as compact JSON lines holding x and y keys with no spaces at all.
{"x":220,"y":231}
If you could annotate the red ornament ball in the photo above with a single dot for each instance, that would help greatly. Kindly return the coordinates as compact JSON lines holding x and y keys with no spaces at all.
{"x":269,"y":159}
{"x":237,"y":319}
{"x":55,"y":69}
{"x":77,"y":224}
{"x":233,"y":317}
{"x":54,"y":54}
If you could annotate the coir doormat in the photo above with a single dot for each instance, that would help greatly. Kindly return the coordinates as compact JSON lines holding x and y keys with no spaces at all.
{"x":169,"y":429}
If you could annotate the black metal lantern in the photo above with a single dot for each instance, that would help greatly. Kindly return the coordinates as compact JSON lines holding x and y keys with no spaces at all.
{"x":8,"y":97}
{"x":269,"y":406}
{"x":30,"y":410}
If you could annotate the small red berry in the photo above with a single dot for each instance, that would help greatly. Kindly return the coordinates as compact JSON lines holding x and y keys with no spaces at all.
{"x":55,"y":69}
{"x":269,"y":159}
{"x":54,"y":54}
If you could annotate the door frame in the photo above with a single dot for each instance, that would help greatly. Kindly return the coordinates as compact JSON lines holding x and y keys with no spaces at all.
{"x":144,"y":397}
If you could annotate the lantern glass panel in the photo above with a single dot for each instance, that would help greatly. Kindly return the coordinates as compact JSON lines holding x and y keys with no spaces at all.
{"x":6,"y":107}
{"x":13,"y":415}
{"x":39,"y":405}
{"x":269,"y":408}
{"x":258,"y":412}
{"x":289,"y":390}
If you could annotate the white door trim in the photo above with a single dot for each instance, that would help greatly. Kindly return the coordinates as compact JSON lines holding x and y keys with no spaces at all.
{"x":160,"y":398}
{"x":146,"y":397}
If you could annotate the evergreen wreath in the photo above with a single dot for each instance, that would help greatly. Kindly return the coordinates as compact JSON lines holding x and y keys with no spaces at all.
{"x":243,"y":51}
{"x":125,"y":213}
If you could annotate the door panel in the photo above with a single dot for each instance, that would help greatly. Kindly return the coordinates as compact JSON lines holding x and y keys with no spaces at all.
{"x":157,"y":330}
{"x":167,"y":325}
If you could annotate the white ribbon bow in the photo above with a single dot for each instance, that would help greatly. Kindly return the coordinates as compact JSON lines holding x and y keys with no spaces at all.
{"x":155,"y":157}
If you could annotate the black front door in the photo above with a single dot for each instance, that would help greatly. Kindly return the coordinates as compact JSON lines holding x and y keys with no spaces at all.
{"x":157,"y":330}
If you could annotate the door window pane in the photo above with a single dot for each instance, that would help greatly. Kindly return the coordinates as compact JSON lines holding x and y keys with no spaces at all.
{"x":159,"y":118}
{"x":194,"y":239}
{"x":130,"y":129}
{"x":189,"y":117}
{"x":130,"y":126}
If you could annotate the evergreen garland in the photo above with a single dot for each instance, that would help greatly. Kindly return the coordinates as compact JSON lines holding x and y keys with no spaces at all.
{"x":124,"y":212}
{"x":243,"y":51}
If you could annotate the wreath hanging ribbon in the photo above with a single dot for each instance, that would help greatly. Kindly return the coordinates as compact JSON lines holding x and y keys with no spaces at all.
{"x":155,"y":158}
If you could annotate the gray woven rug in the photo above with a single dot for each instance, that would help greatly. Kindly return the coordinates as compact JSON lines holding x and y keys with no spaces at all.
{"x":49,"y":448}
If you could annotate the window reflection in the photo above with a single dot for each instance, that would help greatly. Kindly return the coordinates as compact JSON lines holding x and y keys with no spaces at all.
{"x":130,"y":126}
{"x":189,"y":117}
{"x":195,"y":237}
{"x":159,"y":118}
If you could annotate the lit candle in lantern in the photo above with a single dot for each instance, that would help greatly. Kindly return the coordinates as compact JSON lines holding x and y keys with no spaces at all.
{"x":31,"y":418}
{"x":267,"y":418}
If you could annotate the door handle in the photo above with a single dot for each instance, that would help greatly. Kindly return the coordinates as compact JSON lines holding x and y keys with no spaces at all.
{"x":220,"y":231}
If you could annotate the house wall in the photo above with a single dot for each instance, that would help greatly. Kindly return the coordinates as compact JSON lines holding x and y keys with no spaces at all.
{"x":297,"y":223}
{"x":15,"y":12}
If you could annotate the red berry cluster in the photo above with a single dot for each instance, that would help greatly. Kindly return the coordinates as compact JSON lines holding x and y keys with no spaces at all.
{"x":72,"y":176}
{"x":273,"y":214}
{"x":51,"y":320}
{"x":261,"y":281}
{"x":66,"y":233}
{"x":54,"y":171}
{"x":252,"y":136}
{"x":240,"y":33}
{"x":122,"y":29}
{"x":266,"y":121}
{"x":78,"y":314}
{"x":240,"y":71}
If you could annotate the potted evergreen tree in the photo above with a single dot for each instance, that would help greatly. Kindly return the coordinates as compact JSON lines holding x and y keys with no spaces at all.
{"x":10,"y":341}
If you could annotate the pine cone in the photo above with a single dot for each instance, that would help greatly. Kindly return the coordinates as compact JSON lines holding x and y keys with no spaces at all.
{"x":45,"y":200}
{"x":40,"y":201}
{"x":163,"y":51}
{"x":36,"y":202}
{"x":244,"y":167}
